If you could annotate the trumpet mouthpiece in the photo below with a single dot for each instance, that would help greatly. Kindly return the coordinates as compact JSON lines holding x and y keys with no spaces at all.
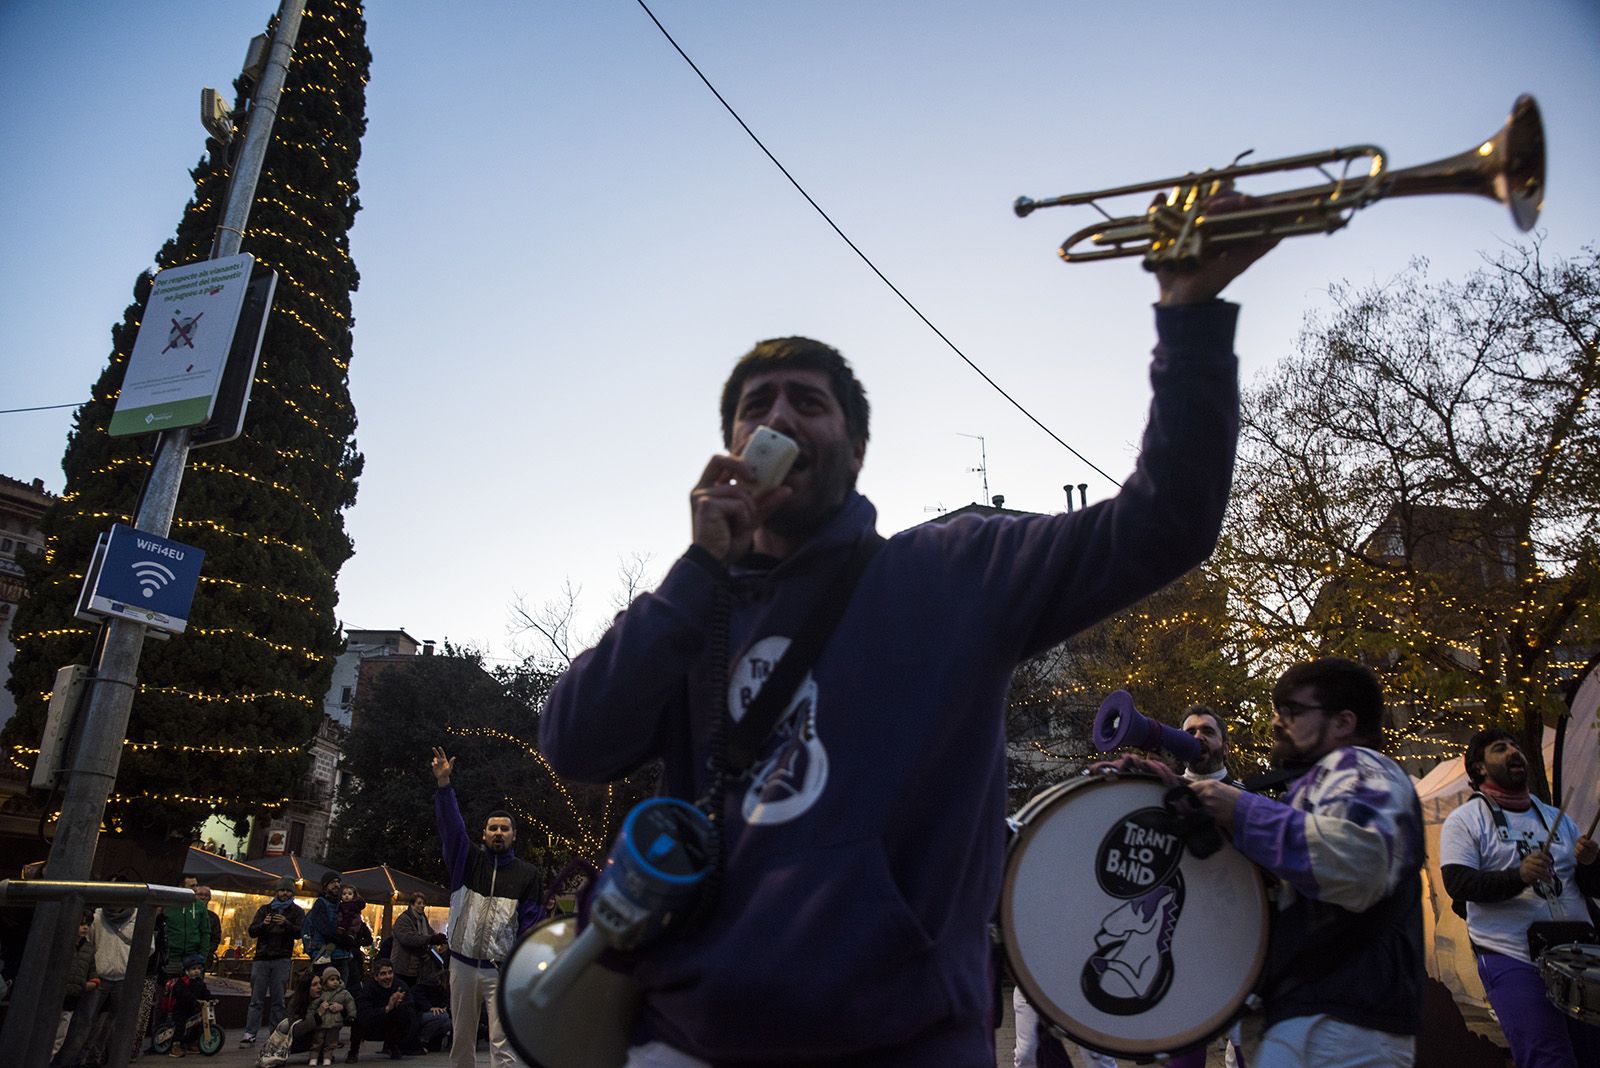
{"x":1023,"y":206}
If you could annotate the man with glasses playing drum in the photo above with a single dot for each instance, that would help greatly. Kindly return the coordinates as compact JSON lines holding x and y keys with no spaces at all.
{"x":1521,"y":869}
{"x":1343,"y":981}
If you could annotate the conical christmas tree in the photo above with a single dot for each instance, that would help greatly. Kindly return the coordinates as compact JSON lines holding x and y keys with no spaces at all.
{"x":222,"y":712}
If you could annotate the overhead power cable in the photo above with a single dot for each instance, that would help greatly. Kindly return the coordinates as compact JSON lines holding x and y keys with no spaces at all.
{"x":41,"y":408}
{"x":863,"y":256}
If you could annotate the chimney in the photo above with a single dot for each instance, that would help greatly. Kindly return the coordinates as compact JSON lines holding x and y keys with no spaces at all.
{"x":999,"y":500}
{"x":1068,"y":488}
{"x":427,"y":648}
{"x":1083,"y":494}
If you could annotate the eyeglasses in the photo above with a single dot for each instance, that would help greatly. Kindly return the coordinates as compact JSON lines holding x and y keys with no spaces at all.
{"x":1289,"y":711}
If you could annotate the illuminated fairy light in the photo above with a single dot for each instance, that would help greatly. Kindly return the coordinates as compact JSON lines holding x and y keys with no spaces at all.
{"x":530,"y":750}
{"x":587,"y":845}
{"x":177,"y":747}
{"x":293,"y":598}
{"x":234,"y":632}
{"x":218,"y":528}
{"x":232,"y":698}
{"x":300,"y":411}
{"x":214,"y":800}
{"x":62,"y":632}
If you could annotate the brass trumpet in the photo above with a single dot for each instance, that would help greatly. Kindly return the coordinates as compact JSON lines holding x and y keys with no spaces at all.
{"x":1509,"y":167}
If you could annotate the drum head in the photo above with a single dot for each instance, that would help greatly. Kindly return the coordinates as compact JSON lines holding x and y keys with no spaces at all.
{"x":588,"y":1027}
{"x":1116,"y":934}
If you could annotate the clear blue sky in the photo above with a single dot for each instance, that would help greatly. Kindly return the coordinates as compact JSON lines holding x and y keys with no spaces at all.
{"x":566,"y":241}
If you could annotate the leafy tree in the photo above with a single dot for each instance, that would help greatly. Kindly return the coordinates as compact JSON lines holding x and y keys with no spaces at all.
{"x":1419,"y":487}
{"x":1175,"y":649}
{"x":230,"y":703}
{"x":488,"y":722}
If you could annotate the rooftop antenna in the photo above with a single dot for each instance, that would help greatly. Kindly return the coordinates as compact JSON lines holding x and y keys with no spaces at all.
{"x":983,"y":463}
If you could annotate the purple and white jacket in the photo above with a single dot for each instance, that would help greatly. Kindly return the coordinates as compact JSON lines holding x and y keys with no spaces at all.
{"x":1346,"y":936}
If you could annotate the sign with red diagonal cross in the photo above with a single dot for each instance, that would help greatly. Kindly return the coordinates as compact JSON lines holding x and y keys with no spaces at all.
{"x":184,"y":338}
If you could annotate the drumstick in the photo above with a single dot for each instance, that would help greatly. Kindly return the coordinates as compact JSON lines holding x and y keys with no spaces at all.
{"x":1566,"y":796}
{"x":1593,"y":824}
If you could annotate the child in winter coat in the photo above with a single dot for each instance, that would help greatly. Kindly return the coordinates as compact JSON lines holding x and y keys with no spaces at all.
{"x":350,"y":922}
{"x":182,"y":1003}
{"x":333,"y":1009}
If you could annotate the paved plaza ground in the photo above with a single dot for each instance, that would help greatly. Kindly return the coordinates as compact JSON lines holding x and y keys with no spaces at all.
{"x":233,"y":1057}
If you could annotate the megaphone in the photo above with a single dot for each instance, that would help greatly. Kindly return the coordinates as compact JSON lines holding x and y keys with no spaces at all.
{"x":654,"y":873}
{"x":1118,"y":724}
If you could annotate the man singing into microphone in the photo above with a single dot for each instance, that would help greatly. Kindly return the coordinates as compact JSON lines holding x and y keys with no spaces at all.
{"x":861,"y":853}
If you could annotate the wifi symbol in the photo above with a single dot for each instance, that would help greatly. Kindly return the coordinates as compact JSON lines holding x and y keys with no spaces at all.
{"x":152,"y":576}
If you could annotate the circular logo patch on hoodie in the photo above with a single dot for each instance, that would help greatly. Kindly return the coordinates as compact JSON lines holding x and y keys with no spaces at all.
{"x":792,"y":770}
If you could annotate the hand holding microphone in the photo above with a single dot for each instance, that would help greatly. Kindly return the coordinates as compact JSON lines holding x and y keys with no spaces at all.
{"x":735,"y":494}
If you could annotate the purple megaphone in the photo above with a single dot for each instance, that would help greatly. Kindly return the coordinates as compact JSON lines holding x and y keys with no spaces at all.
{"x":1118,"y":724}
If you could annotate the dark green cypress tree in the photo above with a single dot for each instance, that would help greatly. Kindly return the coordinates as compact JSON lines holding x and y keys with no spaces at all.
{"x":223,"y":710}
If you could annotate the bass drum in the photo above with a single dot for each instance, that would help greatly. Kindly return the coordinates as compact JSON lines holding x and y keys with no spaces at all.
{"x":1123,"y":939}
{"x":588,"y":1027}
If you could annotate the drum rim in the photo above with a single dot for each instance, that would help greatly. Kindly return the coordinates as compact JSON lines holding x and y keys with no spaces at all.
{"x":1568,"y":966}
{"x":1027,"y":818}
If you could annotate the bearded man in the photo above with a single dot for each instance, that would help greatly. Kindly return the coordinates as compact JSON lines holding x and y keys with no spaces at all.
{"x":494,"y":897}
{"x":1343,"y":981}
{"x":1205,"y":725}
{"x":871,"y":797}
{"x":1521,"y":869}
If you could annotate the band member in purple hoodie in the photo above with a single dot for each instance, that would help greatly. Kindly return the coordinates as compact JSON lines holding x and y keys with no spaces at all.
{"x":861,"y":854}
{"x":494,"y":896}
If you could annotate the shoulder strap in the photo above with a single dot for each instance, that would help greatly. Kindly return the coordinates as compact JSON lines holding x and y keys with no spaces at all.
{"x":1499,"y":816}
{"x":1549,"y":817}
{"x":746,"y":736}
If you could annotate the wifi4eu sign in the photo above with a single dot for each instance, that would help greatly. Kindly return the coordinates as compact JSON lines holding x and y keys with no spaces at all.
{"x":144,"y":578}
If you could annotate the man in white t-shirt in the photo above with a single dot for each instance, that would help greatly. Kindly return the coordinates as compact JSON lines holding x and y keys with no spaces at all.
{"x":1494,"y":858}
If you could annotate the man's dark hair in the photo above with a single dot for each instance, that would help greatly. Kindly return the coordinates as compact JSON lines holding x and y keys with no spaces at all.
{"x":1339,"y":684}
{"x":380,"y":963}
{"x":1479,"y":745}
{"x":801,"y":353}
{"x":500,"y":813}
{"x":1216,"y":717}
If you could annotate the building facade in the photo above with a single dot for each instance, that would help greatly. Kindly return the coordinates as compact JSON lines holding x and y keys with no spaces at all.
{"x":303,"y":827}
{"x":22,"y":506}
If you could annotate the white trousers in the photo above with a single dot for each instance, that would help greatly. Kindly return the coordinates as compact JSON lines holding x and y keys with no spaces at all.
{"x":661,"y":1055}
{"x":1025,"y":1054}
{"x":471,"y":987}
{"x":1329,"y":1043}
